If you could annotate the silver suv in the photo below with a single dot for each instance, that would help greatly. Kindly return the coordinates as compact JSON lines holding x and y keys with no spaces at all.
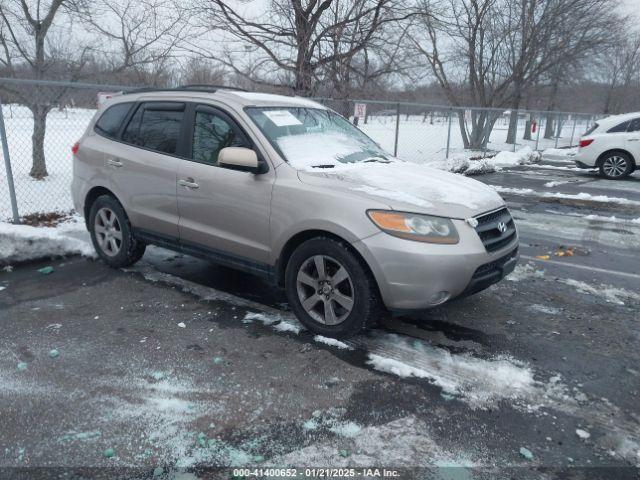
{"x":285,"y":188}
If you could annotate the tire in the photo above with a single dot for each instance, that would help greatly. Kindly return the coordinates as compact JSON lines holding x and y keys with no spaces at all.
{"x":616,"y":165}
{"x":111,"y":233}
{"x":354,"y":302}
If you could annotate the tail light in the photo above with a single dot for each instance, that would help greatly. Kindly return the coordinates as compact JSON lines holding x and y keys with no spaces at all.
{"x":586,"y":143}
{"x":75,"y":148}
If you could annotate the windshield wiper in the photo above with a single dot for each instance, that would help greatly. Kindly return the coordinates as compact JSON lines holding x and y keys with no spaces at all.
{"x":376,"y":160}
{"x":328,"y":165}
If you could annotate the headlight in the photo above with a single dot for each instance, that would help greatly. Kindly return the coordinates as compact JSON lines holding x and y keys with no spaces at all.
{"x":413,"y":226}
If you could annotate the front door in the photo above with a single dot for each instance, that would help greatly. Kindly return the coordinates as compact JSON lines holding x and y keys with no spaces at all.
{"x":226,"y":211}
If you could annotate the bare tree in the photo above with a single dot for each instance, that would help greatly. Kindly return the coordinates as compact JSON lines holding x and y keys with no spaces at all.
{"x":619,"y":70}
{"x":27,"y":50}
{"x":487,"y":52}
{"x":294,"y":37}
{"x":137,"y":38}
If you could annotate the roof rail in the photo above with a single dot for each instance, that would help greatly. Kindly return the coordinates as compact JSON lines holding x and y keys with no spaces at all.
{"x":206,"y":87}
{"x":186,"y":88}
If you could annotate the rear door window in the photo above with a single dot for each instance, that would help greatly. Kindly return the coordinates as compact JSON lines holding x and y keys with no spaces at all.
{"x":635,"y":125}
{"x":620,"y":128}
{"x":156,"y":126}
{"x":108,"y":125}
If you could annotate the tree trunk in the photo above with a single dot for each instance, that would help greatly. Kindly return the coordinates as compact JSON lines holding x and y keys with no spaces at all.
{"x":513,"y":127}
{"x":39,"y":165}
{"x":549,"y":127}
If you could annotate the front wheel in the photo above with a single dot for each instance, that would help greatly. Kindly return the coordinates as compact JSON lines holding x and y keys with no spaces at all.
{"x":111,"y":233}
{"x":616,"y":165}
{"x":330,"y":289}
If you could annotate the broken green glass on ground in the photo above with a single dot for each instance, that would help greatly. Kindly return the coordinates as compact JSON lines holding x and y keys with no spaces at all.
{"x":54,"y":353}
{"x":45,"y":270}
{"x":109,"y":453}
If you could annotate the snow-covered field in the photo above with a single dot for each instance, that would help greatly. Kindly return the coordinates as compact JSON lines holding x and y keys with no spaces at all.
{"x":418,"y":141}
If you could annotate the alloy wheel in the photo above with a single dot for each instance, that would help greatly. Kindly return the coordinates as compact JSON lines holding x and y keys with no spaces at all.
{"x":614,"y":166}
{"x":325,"y":289}
{"x":108,"y":232}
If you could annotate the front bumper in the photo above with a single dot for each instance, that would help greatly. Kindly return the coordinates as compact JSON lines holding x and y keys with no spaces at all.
{"x":414,"y":275}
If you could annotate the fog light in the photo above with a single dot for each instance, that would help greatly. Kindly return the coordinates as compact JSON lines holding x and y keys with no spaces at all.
{"x":439,"y":298}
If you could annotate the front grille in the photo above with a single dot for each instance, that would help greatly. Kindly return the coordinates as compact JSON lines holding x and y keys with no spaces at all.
{"x":489,"y":231}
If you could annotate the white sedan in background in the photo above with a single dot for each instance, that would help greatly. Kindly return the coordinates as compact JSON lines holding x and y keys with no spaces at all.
{"x":612,"y":145}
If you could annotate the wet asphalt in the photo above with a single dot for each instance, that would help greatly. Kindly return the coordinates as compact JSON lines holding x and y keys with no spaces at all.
{"x":161,"y":364}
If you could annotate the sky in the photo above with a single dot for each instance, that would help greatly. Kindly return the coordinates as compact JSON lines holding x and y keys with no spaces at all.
{"x":631,"y":7}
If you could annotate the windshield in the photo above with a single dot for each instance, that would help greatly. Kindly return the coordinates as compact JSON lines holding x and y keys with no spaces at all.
{"x":311,"y":137}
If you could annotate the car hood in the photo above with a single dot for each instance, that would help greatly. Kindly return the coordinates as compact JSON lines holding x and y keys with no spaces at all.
{"x":409,"y":187}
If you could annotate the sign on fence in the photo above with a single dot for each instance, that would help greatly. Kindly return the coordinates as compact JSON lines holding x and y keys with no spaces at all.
{"x":360,"y":110}
{"x":104,"y":96}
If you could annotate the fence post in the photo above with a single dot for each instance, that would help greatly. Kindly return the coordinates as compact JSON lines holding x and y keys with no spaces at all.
{"x":7,"y":166}
{"x":487,"y":134}
{"x":515,"y":135}
{"x":538,"y":135}
{"x":573,"y":131}
{"x":395,"y":143}
{"x":449,"y":133}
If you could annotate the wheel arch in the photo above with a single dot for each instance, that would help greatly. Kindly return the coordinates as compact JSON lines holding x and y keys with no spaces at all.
{"x":299,"y":238}
{"x":92,"y":196}
{"x":603,"y":155}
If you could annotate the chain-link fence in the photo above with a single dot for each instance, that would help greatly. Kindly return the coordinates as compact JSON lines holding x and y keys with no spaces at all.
{"x":43,"y":119}
{"x":428,"y":133}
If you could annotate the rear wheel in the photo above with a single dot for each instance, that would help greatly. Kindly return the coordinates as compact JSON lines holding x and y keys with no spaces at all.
{"x":616,"y":165}
{"x":111,"y":233}
{"x":330,"y":289}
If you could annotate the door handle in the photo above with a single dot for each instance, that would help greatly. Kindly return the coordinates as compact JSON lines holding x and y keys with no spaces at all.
{"x":634,"y":140}
{"x":188,"y":183}
{"x":112,"y":162}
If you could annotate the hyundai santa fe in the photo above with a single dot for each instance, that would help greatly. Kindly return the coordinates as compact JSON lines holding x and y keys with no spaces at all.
{"x":287,"y":189}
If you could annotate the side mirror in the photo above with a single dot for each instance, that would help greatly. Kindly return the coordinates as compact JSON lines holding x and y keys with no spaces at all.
{"x":239,"y":158}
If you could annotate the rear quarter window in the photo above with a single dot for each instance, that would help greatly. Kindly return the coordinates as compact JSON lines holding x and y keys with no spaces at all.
{"x":592,"y":129}
{"x":109,"y":123}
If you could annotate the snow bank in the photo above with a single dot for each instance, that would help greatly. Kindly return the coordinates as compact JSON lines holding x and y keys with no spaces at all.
{"x":466,"y":164}
{"x":19,"y":243}
{"x":524,"y":156}
{"x":560,"y":152}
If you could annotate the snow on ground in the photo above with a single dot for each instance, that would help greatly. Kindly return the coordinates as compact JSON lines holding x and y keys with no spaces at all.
{"x":609,"y":293}
{"x":64,"y":128}
{"x":19,"y":243}
{"x":332,"y":342}
{"x":477,"y":381}
{"x":525,"y":272}
{"x":569,"y":196}
{"x":560,"y":154}
{"x":399,"y":443}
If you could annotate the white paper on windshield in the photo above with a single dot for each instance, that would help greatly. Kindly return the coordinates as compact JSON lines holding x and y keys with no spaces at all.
{"x":282,"y":118}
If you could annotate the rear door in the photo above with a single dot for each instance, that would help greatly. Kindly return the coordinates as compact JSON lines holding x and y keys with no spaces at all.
{"x":226,"y":211}
{"x":145,"y":163}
